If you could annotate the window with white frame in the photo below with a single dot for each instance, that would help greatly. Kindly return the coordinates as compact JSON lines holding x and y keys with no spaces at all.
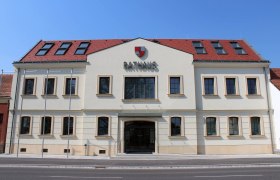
{"x":104,"y":85}
{"x":252,"y":86}
{"x":175,"y":85}
{"x":29,"y":86}
{"x":50,"y":86}
{"x":46,"y":125}
{"x":103,"y":126}
{"x":233,"y":126}
{"x":211,"y":126}
{"x":176,"y":126}
{"x":68,"y":125}
{"x":70,"y":86}
{"x":209,"y":85}
{"x":231,"y":86}
{"x":255,"y":126}
{"x":25,"y":125}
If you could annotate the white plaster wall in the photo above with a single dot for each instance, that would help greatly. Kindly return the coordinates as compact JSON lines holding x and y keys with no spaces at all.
{"x":275,"y":99}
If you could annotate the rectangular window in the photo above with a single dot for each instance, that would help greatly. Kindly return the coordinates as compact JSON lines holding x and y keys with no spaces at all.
{"x":175,"y":85}
{"x":176,"y":126}
{"x":104,"y":85}
{"x":217,"y":46}
{"x":199,"y":47}
{"x":25,"y":125}
{"x":63,"y":48}
{"x":49,"y":86}
{"x":211,"y":126}
{"x":103,"y":126}
{"x":233,"y":126}
{"x":45,"y":49}
{"x":238,"y":49}
{"x":139,"y":88}
{"x":209,"y":88}
{"x":70,"y":88}
{"x":68,"y":125}
{"x":1,"y":118}
{"x":46,"y":125}
{"x":252,"y":86}
{"x":255,"y":126}
{"x":81,"y":50}
{"x":231,"y":86}
{"x":29,"y":86}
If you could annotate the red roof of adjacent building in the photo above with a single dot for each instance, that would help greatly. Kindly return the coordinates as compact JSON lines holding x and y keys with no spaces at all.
{"x":6,"y":85}
{"x":275,"y":77}
{"x":184,"y":45}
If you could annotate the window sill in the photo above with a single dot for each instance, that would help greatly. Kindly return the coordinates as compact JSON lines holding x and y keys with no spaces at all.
{"x":232,"y":95}
{"x":176,"y":137}
{"x":68,"y":136}
{"x":257,"y":136}
{"x":140,"y":100}
{"x":26,"y":136}
{"x":103,"y":137}
{"x":210,"y":96}
{"x":212,"y":136}
{"x":28,"y":95}
{"x":68,"y":96}
{"x":104,"y":95}
{"x":47,"y":136}
{"x":176,"y":95}
{"x":234,"y":136}
{"x":253,"y":95}
{"x":49,"y":96}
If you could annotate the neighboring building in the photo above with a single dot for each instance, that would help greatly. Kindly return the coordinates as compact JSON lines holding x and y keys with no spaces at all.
{"x":275,"y":99}
{"x":166,"y":96}
{"x":5,"y":94}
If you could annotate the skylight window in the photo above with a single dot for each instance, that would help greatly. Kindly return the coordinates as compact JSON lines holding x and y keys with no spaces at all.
{"x":238,"y":49}
{"x":45,"y":49}
{"x":199,"y":47}
{"x":218,"y":47}
{"x":82,"y":48}
{"x":63,"y":48}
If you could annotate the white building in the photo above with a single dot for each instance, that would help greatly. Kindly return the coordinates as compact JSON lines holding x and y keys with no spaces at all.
{"x":161,"y":96}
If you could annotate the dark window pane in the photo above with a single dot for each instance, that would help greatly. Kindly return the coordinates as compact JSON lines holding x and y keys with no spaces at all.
{"x":46,"y":125}
{"x":80,"y":51}
{"x":197,"y":44}
{"x":47,"y":46}
{"x":216,"y":44}
{"x":200,"y":51}
{"x":211,"y":126}
{"x":49,"y":85}
{"x":233,"y":126}
{"x":42,"y":52}
{"x":174,"y":85}
{"x":65,"y":45}
{"x":235,"y":45}
{"x":252,"y":86}
{"x":1,"y":118}
{"x":255,"y":126}
{"x":240,"y":51}
{"x":29,"y":86}
{"x":175,"y":126}
{"x":70,"y":86}
{"x":104,"y":85}
{"x":103,"y":126}
{"x":25,"y":125}
{"x":60,"y":51}
{"x":231,"y":89}
{"x":209,"y":86}
{"x":84,"y":45}
{"x":139,"y":88}
{"x":68,"y":122}
{"x":220,"y":51}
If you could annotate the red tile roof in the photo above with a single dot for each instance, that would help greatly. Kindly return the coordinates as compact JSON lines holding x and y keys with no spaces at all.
{"x":275,"y":77}
{"x":5,"y":85}
{"x":180,"y":44}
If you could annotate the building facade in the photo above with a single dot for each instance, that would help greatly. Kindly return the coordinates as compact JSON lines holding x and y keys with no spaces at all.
{"x":5,"y":93}
{"x":163,"y":96}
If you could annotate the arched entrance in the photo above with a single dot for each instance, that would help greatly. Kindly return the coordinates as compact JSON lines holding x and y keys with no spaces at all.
{"x":139,"y":137}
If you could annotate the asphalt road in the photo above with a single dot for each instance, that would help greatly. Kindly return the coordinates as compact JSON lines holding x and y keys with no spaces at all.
{"x":189,"y":174}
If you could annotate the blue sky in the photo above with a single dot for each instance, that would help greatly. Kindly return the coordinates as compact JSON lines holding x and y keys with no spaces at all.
{"x":24,"y":22}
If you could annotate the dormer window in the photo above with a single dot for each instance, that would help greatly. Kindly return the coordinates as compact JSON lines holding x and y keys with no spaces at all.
{"x":81,"y":50}
{"x":238,"y":49}
{"x":218,"y":47}
{"x":45,"y":49}
{"x":199,"y":47}
{"x":63,"y":48}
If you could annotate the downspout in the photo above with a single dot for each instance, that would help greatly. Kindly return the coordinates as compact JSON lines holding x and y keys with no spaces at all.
{"x":14,"y":111}
{"x":269,"y":110}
